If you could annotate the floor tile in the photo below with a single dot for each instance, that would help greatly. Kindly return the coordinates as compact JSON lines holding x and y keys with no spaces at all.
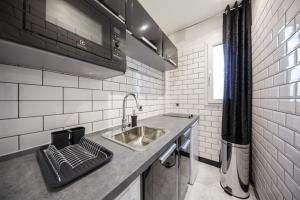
{"x":207,"y":186}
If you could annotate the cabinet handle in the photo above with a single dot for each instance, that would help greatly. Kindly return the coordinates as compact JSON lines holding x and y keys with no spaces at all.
{"x":187,"y":133}
{"x":186,"y":145}
{"x":167,"y":154}
{"x":149,"y":43}
{"x":110,"y":12}
{"x":171,"y":61}
{"x":129,"y":32}
{"x":195,"y":124}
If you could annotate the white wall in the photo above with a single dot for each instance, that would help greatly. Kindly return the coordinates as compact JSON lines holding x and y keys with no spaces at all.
{"x":187,"y":84}
{"x":276,"y":93}
{"x":198,"y":34}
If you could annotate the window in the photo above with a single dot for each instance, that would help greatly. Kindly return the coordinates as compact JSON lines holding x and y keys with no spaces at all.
{"x":215,"y":73}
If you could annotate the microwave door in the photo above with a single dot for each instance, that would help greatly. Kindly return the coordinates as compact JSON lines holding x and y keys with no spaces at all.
{"x":77,"y":24}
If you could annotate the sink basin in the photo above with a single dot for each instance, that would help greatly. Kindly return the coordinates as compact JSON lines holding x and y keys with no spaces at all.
{"x":137,"y":138}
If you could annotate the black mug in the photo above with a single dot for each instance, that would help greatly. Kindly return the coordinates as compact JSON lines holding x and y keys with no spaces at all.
{"x":60,"y":139}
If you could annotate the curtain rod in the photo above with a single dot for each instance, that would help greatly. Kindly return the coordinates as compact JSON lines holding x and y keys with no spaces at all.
{"x":232,"y":6}
{"x":199,"y":22}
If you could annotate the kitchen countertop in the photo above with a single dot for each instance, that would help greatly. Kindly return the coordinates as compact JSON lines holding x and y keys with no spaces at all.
{"x":20,"y":177}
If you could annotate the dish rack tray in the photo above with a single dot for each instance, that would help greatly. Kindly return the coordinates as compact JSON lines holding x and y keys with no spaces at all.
{"x":60,"y":167}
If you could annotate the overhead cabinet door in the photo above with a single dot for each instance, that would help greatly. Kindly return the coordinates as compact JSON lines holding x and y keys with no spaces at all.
{"x":142,"y":26}
{"x":117,"y":6}
{"x":170,"y":51}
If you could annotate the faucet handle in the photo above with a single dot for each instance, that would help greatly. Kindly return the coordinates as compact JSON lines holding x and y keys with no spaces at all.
{"x":128,"y":121}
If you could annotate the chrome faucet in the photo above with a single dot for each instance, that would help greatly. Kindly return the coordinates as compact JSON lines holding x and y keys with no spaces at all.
{"x":140,"y":108}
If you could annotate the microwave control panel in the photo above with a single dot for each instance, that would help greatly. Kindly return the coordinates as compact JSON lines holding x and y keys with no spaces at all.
{"x":116,"y":44}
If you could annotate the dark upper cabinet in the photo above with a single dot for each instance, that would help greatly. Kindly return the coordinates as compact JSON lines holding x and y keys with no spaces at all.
{"x":117,"y":6}
{"x":142,"y":26}
{"x":170,"y":53}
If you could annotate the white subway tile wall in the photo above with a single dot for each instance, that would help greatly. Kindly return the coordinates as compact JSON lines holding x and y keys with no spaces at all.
{"x":33,"y":103}
{"x":276,"y":120}
{"x":187,"y":87}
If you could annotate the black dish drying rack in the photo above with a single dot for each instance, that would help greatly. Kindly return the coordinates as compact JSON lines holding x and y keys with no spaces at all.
{"x":60,"y":167}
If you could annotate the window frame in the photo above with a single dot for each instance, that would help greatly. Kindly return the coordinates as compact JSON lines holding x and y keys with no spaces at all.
{"x":210,"y":87}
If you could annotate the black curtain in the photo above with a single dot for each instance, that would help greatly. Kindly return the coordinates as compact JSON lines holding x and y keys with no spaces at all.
{"x":237,"y":101}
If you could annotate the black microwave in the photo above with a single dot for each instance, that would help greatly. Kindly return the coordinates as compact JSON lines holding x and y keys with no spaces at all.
{"x":82,"y":29}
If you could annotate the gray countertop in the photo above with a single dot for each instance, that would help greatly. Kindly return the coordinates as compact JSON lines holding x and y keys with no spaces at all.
{"x":20,"y":178}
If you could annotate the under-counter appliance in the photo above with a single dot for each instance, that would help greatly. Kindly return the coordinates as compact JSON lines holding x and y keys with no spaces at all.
{"x":184,"y":163}
{"x":83,"y":29}
{"x":160,"y":180}
{"x":188,"y":151}
{"x":193,"y":153}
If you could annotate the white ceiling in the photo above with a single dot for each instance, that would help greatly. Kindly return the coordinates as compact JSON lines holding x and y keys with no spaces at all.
{"x":174,"y":15}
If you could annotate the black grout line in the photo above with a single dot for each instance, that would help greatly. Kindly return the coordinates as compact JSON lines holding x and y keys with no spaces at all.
{"x":43,"y":123}
{"x":63,"y":100}
{"x":78,"y":118}
{"x":18,"y":100}
{"x":42,"y":77}
{"x":152,"y":82}
{"x":77,"y":81}
{"x":19,"y":145}
{"x":82,"y":111}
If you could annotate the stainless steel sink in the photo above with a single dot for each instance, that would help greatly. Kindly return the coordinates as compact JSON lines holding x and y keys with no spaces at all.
{"x":137,"y":138}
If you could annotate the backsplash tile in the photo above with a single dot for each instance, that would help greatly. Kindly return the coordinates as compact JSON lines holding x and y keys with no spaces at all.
{"x":107,"y":85}
{"x":186,"y":86}
{"x":90,"y":83}
{"x":77,"y":94}
{"x":102,"y":105}
{"x":9,"y":145}
{"x":286,"y":91}
{"x":104,"y":95}
{"x":58,"y":121}
{"x":9,"y":109}
{"x":34,"y":103}
{"x":56,"y":79}
{"x":35,"y":139}
{"x":13,"y":127}
{"x":288,"y":61}
{"x":40,"y":108}
{"x":14,"y":74}
{"x":8,"y":91}
{"x":275,"y":150}
{"x":35,"y":92}
{"x":77,"y":106}
{"x":90,"y":117}
{"x":293,"y":42}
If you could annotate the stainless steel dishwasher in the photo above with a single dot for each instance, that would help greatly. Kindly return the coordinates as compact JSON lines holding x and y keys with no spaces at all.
{"x":160,"y":180}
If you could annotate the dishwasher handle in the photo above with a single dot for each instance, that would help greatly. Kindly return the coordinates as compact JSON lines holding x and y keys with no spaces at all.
{"x":195,"y":124}
{"x":185,"y":145}
{"x":167,"y":154}
{"x":187,"y":133}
